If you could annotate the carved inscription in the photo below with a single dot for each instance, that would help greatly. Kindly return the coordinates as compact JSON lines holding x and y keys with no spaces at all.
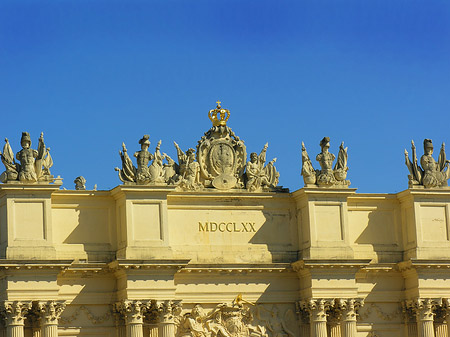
{"x":231,"y":227}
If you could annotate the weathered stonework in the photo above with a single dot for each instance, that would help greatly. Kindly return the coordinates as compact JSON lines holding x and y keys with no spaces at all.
{"x":211,"y":247}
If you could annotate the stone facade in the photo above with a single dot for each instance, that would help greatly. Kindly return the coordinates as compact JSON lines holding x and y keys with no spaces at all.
{"x":212,"y":247}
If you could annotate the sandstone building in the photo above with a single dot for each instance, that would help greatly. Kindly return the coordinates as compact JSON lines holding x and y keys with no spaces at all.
{"x":211,"y":246}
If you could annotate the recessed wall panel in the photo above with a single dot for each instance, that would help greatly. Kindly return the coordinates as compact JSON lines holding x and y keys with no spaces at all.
{"x":328,"y":223}
{"x":146,"y":221}
{"x":29,"y":220}
{"x":433,"y":223}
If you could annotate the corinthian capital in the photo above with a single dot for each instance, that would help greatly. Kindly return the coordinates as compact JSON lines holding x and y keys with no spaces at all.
{"x":349,"y":307}
{"x":50,"y":311}
{"x":423,"y":308}
{"x":132,"y":311}
{"x":15,"y":311}
{"x":316,"y":308}
{"x":165,"y":310}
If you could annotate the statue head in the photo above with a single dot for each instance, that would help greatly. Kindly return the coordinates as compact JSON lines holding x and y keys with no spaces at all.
{"x":25,"y":141}
{"x":145,"y":143}
{"x":325,"y":143}
{"x":253,"y":157}
{"x":428,"y":146}
{"x":80,"y":183}
{"x":197,"y":311}
{"x":191,"y":154}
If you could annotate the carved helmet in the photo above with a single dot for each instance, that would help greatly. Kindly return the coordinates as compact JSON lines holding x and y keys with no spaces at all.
{"x":427,"y":143}
{"x":25,"y":138}
{"x":324,"y":141}
{"x":145,"y":140}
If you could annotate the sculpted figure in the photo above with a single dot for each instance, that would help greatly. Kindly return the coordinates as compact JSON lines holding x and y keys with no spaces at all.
{"x":190,"y":177}
{"x":27,"y":157}
{"x":260,"y":177}
{"x":80,"y":183}
{"x":325,"y":159}
{"x":155,"y":173}
{"x":143,"y":157}
{"x":327,"y":176}
{"x":34,"y":164}
{"x":432,"y":173}
{"x":277,"y":326}
{"x":193,"y":325}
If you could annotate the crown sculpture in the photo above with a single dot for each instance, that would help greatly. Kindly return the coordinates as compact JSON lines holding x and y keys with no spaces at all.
{"x":33,"y":166}
{"x":428,"y":174}
{"x":327,"y":176}
{"x":219,"y":162}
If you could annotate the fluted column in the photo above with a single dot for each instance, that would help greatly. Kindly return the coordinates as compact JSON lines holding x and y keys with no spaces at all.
{"x":152,"y":330}
{"x":36,"y":332}
{"x":318,"y":317}
{"x":166,"y":324}
{"x":425,"y":317}
{"x":49,"y":314}
{"x":15,"y":316}
{"x":119,"y":319}
{"x":349,"y":309}
{"x":334,"y":320}
{"x":410,"y":318}
{"x":133,"y":312}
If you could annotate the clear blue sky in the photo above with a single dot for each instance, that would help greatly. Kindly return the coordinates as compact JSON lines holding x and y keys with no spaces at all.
{"x":92,"y":74}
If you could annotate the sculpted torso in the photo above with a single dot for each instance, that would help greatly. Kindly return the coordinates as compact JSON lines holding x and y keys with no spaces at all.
{"x":325,"y":160}
{"x":26,"y":157}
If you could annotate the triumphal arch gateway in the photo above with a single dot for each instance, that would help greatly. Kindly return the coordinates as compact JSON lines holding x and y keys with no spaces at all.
{"x":209,"y":245}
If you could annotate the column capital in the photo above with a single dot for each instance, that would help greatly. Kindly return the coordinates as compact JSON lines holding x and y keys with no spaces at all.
{"x":167,"y":310}
{"x":49,"y":311}
{"x":349,"y":307}
{"x":423,"y":308}
{"x":15,"y":311}
{"x":317,"y":308}
{"x":132,"y":311}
